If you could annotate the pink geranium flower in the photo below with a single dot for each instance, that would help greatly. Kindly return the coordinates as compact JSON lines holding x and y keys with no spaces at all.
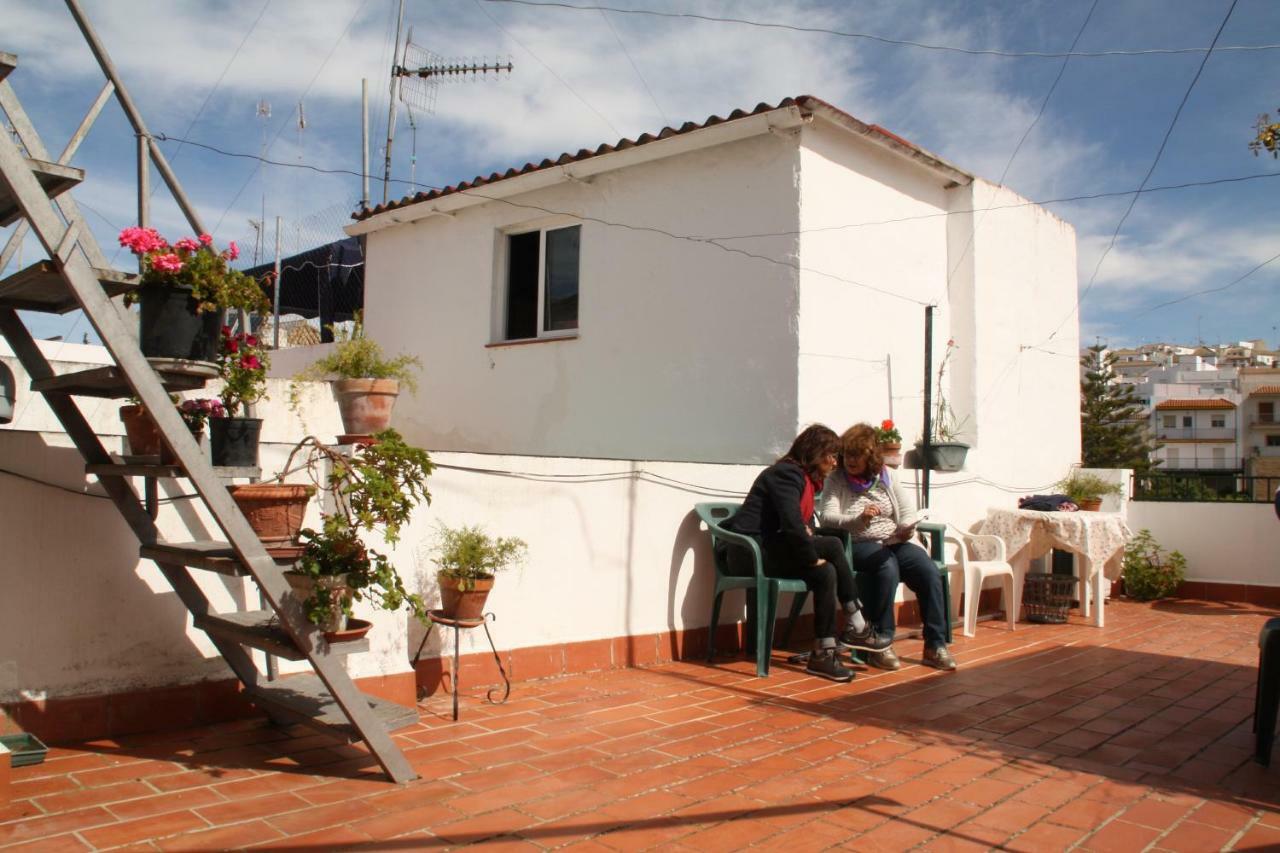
{"x":250,"y":362}
{"x":167,"y":262}
{"x":233,"y":251}
{"x":188,"y":243}
{"x":206,"y":239}
{"x":140,"y":241}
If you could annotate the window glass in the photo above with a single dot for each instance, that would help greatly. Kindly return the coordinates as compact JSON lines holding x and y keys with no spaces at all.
{"x":1219,"y":421}
{"x":1267,"y":411}
{"x":1169,"y":422}
{"x":1273,"y":441}
{"x":522,"y":285}
{"x":1186,"y":421}
{"x":560,"y":309}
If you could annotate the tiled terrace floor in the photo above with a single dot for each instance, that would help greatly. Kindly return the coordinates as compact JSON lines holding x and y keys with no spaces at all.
{"x":1136,"y":736}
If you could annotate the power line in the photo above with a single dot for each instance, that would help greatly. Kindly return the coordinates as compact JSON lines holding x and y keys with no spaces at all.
{"x":1150,"y":171}
{"x":284,"y":122}
{"x":1219,"y":289}
{"x":792,"y":233}
{"x":549,"y":70}
{"x":973,"y":232}
{"x":634,"y":67}
{"x":1011,"y":54}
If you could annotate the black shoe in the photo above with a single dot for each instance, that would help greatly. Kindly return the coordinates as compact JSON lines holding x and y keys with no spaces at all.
{"x":884,"y":660}
{"x":939,"y":658}
{"x":866,"y":640}
{"x":826,"y":664}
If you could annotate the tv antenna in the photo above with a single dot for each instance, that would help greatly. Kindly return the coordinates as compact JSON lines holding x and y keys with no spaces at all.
{"x":422,"y":72}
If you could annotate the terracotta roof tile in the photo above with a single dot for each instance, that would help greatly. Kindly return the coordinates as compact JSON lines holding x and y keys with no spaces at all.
{"x":806,"y":103}
{"x":1265,"y":389}
{"x":1196,"y":404}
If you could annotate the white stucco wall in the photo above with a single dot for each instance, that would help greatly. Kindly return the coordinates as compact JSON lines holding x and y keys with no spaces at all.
{"x":685,"y":351}
{"x":1223,"y":542}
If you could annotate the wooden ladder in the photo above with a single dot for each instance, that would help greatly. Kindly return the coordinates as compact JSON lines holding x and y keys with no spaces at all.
{"x":32,"y":194}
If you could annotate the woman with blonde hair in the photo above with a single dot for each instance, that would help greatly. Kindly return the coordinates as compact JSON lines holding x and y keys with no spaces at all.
{"x":862,"y":496}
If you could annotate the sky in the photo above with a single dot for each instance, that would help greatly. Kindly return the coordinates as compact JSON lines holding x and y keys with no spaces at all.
{"x":1183,"y":265}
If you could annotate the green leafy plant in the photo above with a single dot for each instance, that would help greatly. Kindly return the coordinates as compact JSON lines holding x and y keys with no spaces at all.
{"x":1087,"y":487}
{"x":337,"y":551}
{"x":1149,"y":572}
{"x":374,"y":489}
{"x":192,"y":262}
{"x":887,"y":433}
{"x":242,"y":364}
{"x":355,"y":356}
{"x":468,"y":554}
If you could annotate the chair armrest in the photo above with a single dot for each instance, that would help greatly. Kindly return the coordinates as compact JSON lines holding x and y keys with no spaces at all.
{"x":987,"y":537}
{"x":962,"y":553}
{"x":718,"y":532}
{"x":936,"y":531}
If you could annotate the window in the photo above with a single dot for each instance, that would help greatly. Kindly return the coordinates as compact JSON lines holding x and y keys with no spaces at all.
{"x":542,"y":283}
{"x":1186,"y":421}
{"x":1267,"y":412}
{"x":1273,"y":441}
{"x":1169,"y":422}
{"x":1171,"y":457}
{"x":1218,"y":421}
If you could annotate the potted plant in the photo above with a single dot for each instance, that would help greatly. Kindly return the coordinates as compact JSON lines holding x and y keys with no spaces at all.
{"x":374,"y":489}
{"x":1087,"y":490}
{"x":890,"y":441}
{"x":943,"y":452}
{"x":366,"y":382}
{"x":195,"y":414}
{"x":468,"y":559}
{"x":1150,"y":572}
{"x":184,"y":290}
{"x":242,"y":364}
{"x":141,"y":432}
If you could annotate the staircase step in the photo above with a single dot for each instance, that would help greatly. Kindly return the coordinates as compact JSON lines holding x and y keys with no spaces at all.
{"x":306,"y":700}
{"x":260,"y":629}
{"x":155,"y":469}
{"x":109,"y":381}
{"x":55,"y":179}
{"x":8,"y":62}
{"x":207,"y":554}
{"x":40,"y":287}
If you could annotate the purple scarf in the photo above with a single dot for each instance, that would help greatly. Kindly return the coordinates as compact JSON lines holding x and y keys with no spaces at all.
{"x":860,"y":485}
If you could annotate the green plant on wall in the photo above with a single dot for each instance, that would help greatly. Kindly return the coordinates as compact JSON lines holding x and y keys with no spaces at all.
{"x":1149,"y":571}
{"x":1087,"y":487}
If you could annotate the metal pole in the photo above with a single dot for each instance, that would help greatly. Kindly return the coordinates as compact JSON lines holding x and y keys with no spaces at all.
{"x":888,"y":380}
{"x":364,"y":144}
{"x":391,"y":106}
{"x":928,"y":402}
{"x":276,"y":308}
{"x":135,"y":117}
{"x":144,"y":191}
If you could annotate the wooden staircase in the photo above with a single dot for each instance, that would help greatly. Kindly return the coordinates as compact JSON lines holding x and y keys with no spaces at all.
{"x":33,"y":194}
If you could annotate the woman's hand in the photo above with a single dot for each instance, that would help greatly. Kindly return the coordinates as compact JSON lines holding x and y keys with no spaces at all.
{"x":871,"y":511}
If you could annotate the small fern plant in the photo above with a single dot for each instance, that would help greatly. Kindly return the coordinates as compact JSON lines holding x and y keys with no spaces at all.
{"x":467,"y":554}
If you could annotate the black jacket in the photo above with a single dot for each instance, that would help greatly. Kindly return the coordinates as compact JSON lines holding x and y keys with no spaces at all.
{"x":772,"y":512}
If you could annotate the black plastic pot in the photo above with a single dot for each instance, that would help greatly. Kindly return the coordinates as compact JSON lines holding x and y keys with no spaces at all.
{"x":169,"y":326}
{"x":233,"y":442}
{"x":944,"y":456}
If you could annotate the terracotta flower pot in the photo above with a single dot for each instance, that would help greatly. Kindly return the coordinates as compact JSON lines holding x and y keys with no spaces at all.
{"x":457,"y":603}
{"x":141,"y":431}
{"x":892,"y":453}
{"x":1091,"y":505}
{"x":365,"y":404}
{"x":304,"y":585}
{"x":274,"y":510}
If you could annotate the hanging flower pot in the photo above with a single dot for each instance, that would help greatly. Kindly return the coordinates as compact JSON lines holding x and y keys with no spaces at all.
{"x":275,"y":512}
{"x":946,"y":456}
{"x":141,"y":432}
{"x":365,"y":404}
{"x":170,"y":326}
{"x":233,"y":442}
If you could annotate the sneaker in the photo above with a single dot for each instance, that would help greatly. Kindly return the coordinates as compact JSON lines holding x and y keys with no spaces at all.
{"x":866,"y":640}
{"x":884,"y":660}
{"x":939,"y":658}
{"x":826,"y":664}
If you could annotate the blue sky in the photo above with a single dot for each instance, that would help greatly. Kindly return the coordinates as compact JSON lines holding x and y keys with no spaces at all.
{"x":199,"y":69}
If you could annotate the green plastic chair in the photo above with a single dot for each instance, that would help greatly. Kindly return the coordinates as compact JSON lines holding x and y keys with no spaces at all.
{"x":767,"y":589}
{"x":935,"y":532}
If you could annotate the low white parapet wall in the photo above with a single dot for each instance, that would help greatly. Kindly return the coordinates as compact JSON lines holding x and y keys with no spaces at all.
{"x":1224,"y":542}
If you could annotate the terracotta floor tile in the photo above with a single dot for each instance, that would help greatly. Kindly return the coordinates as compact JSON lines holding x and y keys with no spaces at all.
{"x":153,"y":826}
{"x":240,"y":835}
{"x":1155,"y":813}
{"x":1192,"y":837}
{"x":1045,"y":837}
{"x":985,"y":792}
{"x":1120,"y":837}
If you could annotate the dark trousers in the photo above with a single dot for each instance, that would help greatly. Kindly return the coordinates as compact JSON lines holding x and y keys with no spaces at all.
{"x":831,"y":582}
{"x":881,"y":568}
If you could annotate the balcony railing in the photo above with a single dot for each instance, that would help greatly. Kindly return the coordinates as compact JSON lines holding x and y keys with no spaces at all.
{"x":1204,"y":487}
{"x":1265,"y":423}
{"x":1201,"y":433}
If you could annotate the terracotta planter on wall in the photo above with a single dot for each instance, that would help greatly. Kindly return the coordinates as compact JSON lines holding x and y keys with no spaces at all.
{"x":275,"y":512}
{"x":141,"y":431}
{"x":1091,"y":505}
{"x":892,"y":452}
{"x":365,"y":404}
{"x":457,"y":603}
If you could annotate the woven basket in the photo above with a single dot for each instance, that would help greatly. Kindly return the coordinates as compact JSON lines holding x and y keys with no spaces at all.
{"x":1046,"y":597}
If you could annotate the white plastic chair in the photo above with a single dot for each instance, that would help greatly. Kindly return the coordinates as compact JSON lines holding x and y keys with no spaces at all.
{"x":977,"y":571}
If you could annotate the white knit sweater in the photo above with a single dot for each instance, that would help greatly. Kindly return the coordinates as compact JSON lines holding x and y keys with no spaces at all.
{"x":842,"y":507}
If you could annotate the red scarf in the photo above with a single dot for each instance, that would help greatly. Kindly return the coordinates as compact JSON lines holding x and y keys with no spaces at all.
{"x":806,"y":501}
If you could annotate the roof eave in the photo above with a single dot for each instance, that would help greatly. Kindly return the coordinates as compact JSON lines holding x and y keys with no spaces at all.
{"x":780,"y":119}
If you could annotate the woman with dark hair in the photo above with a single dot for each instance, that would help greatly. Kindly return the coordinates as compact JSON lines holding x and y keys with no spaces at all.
{"x":778,"y":512}
{"x":863,"y":497}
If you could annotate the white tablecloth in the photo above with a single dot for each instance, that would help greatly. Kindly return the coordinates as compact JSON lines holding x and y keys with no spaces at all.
{"x":1097,"y":537}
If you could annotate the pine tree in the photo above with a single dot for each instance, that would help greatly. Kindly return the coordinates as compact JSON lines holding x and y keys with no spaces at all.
{"x":1111,"y":432}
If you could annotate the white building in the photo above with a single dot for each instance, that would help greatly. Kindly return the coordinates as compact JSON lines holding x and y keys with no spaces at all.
{"x":1196,"y":434}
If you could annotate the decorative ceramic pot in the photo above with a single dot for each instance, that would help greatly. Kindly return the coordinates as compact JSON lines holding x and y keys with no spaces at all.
{"x":457,"y":603}
{"x":274,"y":510}
{"x":365,"y":404}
